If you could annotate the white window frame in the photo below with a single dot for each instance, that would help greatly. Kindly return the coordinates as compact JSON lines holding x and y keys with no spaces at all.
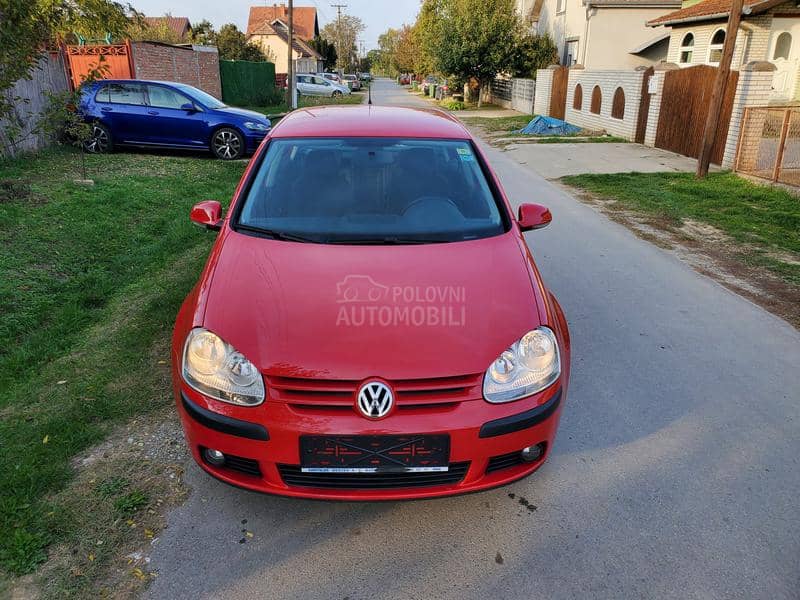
{"x":712,"y":47}
{"x":561,"y":7}
{"x":683,"y":48}
{"x":775,"y":45}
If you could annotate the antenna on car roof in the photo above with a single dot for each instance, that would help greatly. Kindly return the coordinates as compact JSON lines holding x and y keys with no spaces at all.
{"x":369,"y":93}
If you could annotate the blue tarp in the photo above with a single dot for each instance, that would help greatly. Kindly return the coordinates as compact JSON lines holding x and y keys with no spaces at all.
{"x":549,"y":126}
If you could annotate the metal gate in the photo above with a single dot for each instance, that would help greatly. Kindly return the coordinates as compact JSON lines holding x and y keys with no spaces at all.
{"x":558,"y":92}
{"x":522,"y":93}
{"x":684,"y":108}
{"x":115,"y":61}
{"x":769,"y":144}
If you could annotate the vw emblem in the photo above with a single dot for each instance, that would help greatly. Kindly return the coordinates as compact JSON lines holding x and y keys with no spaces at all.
{"x":375,"y":399}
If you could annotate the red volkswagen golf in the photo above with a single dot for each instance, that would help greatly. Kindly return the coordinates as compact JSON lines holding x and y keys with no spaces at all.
{"x":370,"y":324}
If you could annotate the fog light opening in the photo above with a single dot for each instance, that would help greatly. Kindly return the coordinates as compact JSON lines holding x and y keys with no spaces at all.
{"x":214,"y":457}
{"x":532,"y":453}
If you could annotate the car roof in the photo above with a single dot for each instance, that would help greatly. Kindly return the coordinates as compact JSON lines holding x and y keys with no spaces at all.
{"x":176,"y":83}
{"x":370,"y":121}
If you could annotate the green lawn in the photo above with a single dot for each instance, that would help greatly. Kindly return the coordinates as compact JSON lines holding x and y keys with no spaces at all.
{"x":765,"y":219}
{"x":306,"y":101}
{"x":90,"y":281}
{"x":499,"y":124}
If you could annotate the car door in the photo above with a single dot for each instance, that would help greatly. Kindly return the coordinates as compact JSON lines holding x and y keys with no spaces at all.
{"x":171,"y":123}
{"x":322,"y":86}
{"x":304,"y":85}
{"x":125,"y":107}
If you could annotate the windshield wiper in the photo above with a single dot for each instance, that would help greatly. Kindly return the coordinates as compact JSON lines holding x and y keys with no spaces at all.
{"x":386,"y":241}
{"x":276,"y":235}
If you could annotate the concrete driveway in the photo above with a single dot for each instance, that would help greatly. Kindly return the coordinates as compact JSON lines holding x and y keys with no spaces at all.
{"x":676,"y":472}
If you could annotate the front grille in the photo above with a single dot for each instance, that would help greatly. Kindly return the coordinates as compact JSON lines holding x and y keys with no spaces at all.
{"x":504,"y":461}
{"x":435,"y":392}
{"x":292,"y":475}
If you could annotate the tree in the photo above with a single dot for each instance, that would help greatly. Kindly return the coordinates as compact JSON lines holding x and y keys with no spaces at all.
{"x":386,"y":61}
{"x":327,"y":50}
{"x":475,"y":39}
{"x":406,"y":55}
{"x":233,"y":45}
{"x":533,"y":52}
{"x":344,"y":32}
{"x":203,"y":33}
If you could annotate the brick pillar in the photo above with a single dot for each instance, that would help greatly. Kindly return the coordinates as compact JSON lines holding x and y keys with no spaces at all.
{"x":753,"y":89}
{"x":544,"y":84}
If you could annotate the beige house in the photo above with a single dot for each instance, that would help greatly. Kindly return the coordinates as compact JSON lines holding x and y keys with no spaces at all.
{"x":601,"y":34}
{"x":769,"y":31}
{"x":273,"y":38}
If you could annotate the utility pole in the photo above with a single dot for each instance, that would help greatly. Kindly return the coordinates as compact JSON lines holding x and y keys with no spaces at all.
{"x":339,"y":40}
{"x":291,"y":100}
{"x":720,"y":86}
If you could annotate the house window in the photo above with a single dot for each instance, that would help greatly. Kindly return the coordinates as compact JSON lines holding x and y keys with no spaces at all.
{"x":597,"y":100}
{"x":783,"y":46}
{"x":570,"y":52}
{"x":618,"y":104}
{"x":715,"y":47}
{"x":577,"y":100}
{"x":561,"y":6}
{"x":687,"y":48}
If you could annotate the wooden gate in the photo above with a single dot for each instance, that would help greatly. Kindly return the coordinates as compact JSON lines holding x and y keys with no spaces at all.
{"x":644,"y":107}
{"x":558,"y":92}
{"x":115,"y":61}
{"x":684,"y":108}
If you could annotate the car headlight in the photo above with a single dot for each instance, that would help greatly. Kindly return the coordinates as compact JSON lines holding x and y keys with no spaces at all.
{"x":530,"y":365}
{"x":256,"y":126}
{"x":216,"y":369}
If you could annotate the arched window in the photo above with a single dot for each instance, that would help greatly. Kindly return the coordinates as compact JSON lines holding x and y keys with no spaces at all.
{"x":597,"y":100}
{"x":687,"y":49}
{"x":618,"y":104}
{"x":783,"y":46}
{"x":577,"y":99}
{"x":715,"y":47}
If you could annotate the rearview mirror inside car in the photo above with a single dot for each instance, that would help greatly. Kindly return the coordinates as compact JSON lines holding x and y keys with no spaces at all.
{"x":207,"y":214}
{"x":533,"y":216}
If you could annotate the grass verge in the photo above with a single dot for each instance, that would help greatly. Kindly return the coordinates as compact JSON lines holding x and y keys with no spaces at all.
{"x":309,"y":101}
{"x":499,"y":124}
{"x":90,"y":281}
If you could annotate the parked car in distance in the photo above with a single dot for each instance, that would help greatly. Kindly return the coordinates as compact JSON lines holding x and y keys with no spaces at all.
{"x":332,"y":77}
{"x":309,"y":84}
{"x":387,"y":345}
{"x":352,"y":82}
{"x":164,"y":114}
{"x":365,"y":77}
{"x":404,"y":79}
{"x":428,"y":81}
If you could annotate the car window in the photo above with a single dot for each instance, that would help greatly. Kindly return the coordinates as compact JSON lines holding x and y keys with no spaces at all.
{"x":162,"y":97}
{"x":200,"y":96}
{"x":103,"y":94}
{"x":321,"y":81}
{"x":373,"y":190}
{"x":126,"y":93}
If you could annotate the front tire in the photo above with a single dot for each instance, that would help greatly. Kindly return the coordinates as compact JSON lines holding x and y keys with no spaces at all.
{"x":227,"y":144}
{"x":101,"y":140}
{"x":336,"y":94}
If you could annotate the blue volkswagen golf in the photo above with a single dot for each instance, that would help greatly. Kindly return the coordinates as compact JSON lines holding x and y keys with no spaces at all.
{"x":161,"y":114}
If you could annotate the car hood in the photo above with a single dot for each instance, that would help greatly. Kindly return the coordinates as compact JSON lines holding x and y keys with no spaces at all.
{"x":245,"y":114}
{"x":352,"y":312}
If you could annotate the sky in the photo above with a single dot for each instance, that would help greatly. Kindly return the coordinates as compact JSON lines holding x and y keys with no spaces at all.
{"x":378,"y":15}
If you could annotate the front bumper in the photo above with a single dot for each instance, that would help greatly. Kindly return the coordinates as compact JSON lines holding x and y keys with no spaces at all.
{"x":253,"y":140}
{"x":485,"y":441}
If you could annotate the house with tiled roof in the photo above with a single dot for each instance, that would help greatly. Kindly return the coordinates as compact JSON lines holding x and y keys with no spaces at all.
{"x":769,"y":31}
{"x":273,"y":38}
{"x":304,"y":19}
{"x":179,"y":25}
{"x":601,"y":34}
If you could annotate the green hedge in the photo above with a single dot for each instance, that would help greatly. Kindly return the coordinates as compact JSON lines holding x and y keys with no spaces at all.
{"x":247,"y":83}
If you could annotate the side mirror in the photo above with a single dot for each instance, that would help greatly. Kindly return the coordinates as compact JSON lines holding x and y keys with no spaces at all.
{"x":207,"y":214}
{"x":533,"y":216}
{"x":189,"y":107}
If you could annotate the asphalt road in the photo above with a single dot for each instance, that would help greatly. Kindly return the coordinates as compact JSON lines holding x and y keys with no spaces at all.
{"x":675,"y":474}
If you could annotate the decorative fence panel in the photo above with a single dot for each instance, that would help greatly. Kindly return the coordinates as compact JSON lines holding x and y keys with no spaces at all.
{"x":115,"y":60}
{"x":247,"y":83}
{"x":769,"y":144}
{"x":522,"y":95}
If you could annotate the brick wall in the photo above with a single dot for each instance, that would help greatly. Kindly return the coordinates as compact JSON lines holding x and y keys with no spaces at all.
{"x":197,"y":66}
{"x":608,"y":82}
{"x":753,"y":89}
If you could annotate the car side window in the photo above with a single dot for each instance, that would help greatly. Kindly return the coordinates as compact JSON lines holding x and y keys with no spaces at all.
{"x":126,"y":93}
{"x":103,"y":94}
{"x":162,"y":97}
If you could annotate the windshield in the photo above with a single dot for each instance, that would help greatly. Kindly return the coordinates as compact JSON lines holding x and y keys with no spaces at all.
{"x":203,"y":98}
{"x":371,"y":190}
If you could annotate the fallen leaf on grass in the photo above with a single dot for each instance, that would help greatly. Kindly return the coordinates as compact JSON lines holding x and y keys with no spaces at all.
{"x":46,"y":439}
{"x":139,"y":574}
{"x":91,"y":557}
{"x":62,"y":382}
{"x":148,"y":533}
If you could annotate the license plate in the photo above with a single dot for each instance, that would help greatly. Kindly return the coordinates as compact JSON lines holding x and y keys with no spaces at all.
{"x":374,"y":453}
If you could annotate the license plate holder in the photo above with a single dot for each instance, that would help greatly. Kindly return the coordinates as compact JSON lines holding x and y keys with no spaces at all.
{"x":374,"y":453}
